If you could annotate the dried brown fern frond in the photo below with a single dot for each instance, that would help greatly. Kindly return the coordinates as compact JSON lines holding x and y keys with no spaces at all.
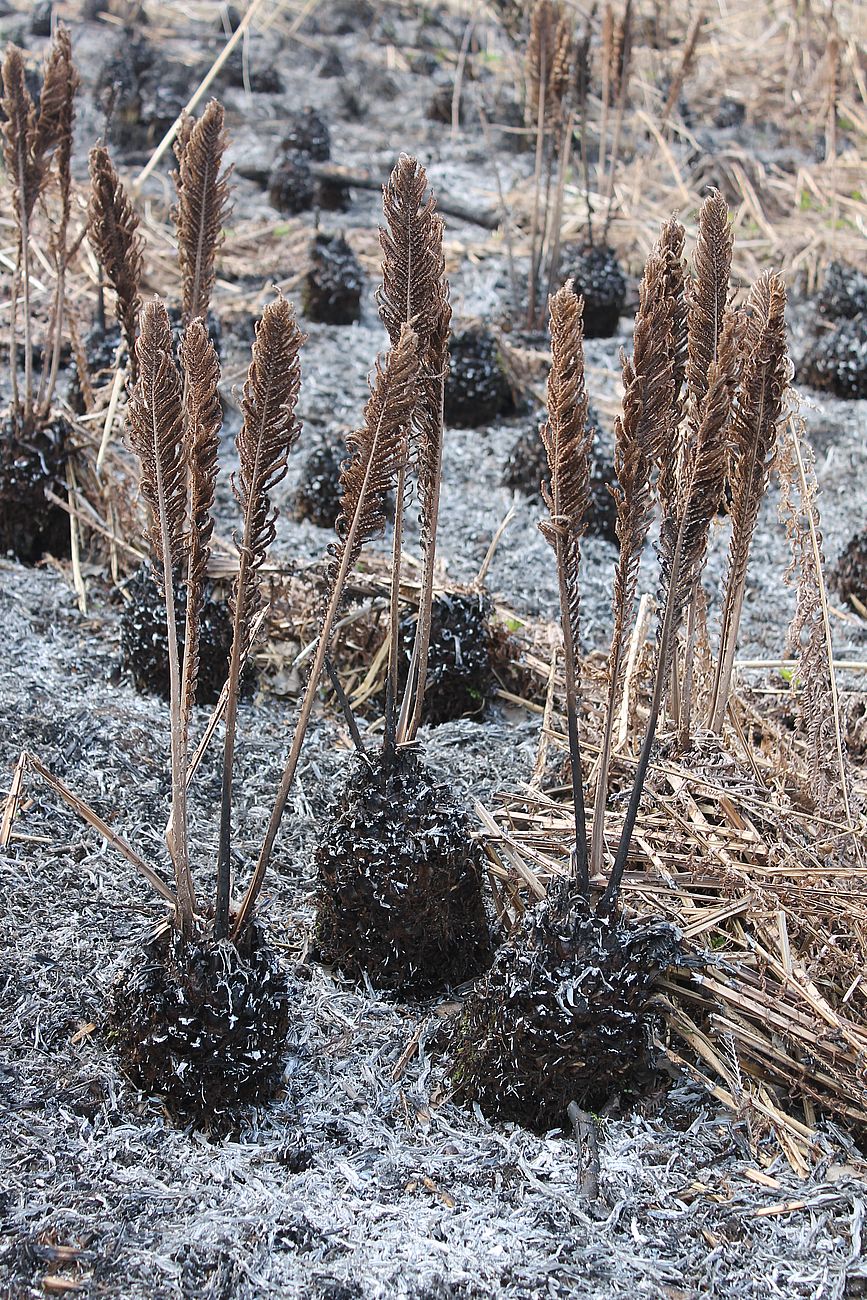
{"x":26,"y":155}
{"x":707,"y":298}
{"x":203,"y":417}
{"x":377,"y":453}
{"x":684,"y":538}
{"x":757,"y":410}
{"x":415,"y":291}
{"x":59,"y":81}
{"x":568,"y":443}
{"x":644,"y":430}
{"x":55,"y":123}
{"x":682,"y":552}
{"x":113,"y":231}
{"x":155,"y":416}
{"x":268,"y":433}
{"x":563,"y":70}
{"x":25,"y":166}
{"x":702,"y":305}
{"x":203,"y":207}
{"x":619,"y":52}
{"x":539,"y":60}
{"x":674,"y":288}
{"x":644,"y":433}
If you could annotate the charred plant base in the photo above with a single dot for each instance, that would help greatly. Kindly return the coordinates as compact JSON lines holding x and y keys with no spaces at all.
{"x":203,"y":1024}
{"x":599,"y":279}
{"x":837,"y":363}
{"x":849,"y":575}
{"x":144,"y":642}
{"x":307,"y":132}
{"x":400,"y":882}
{"x":291,"y":187}
{"x":460,"y":674}
{"x":477,"y":386}
{"x":562,"y":1014}
{"x":32,"y":463}
{"x":318,"y":497}
{"x":332,"y":289}
{"x":527,"y":467}
{"x":844,"y":292}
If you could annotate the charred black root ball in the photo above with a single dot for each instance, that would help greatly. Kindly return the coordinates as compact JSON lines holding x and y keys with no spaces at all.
{"x":527,"y":466}
{"x":318,"y":496}
{"x":460,"y":675}
{"x":599,"y":279}
{"x":562,"y":1015}
{"x":203,"y":1024}
{"x":849,"y":574}
{"x":262,"y":77}
{"x":441,"y":105}
{"x":477,"y":386}
{"x":837,"y":363}
{"x":400,"y":882}
{"x":729,"y":114}
{"x":31,"y":464}
{"x":40,"y":18}
{"x":332,"y":289}
{"x":308,"y":133}
{"x":144,"y":643}
{"x":844,"y":292}
{"x":291,"y":187}
{"x":145,"y":92}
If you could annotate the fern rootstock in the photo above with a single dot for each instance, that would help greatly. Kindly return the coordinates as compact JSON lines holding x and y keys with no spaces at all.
{"x":562,"y":1015}
{"x":399,"y":894}
{"x":204,"y":1025}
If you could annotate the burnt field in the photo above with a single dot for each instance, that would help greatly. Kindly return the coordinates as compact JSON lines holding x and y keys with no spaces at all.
{"x":480,"y":909}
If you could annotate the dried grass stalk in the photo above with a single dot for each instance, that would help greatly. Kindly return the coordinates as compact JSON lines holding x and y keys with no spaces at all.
{"x":809,"y":638}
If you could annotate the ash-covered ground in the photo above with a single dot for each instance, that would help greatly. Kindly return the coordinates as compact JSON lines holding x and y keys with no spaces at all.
{"x":361,"y":1179}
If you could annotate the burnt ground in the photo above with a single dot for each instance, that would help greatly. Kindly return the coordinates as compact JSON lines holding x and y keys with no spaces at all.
{"x":361,"y":1179}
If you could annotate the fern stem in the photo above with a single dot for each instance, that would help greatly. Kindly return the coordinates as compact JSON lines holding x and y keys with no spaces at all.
{"x":570,"y":669}
{"x":407,"y":732}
